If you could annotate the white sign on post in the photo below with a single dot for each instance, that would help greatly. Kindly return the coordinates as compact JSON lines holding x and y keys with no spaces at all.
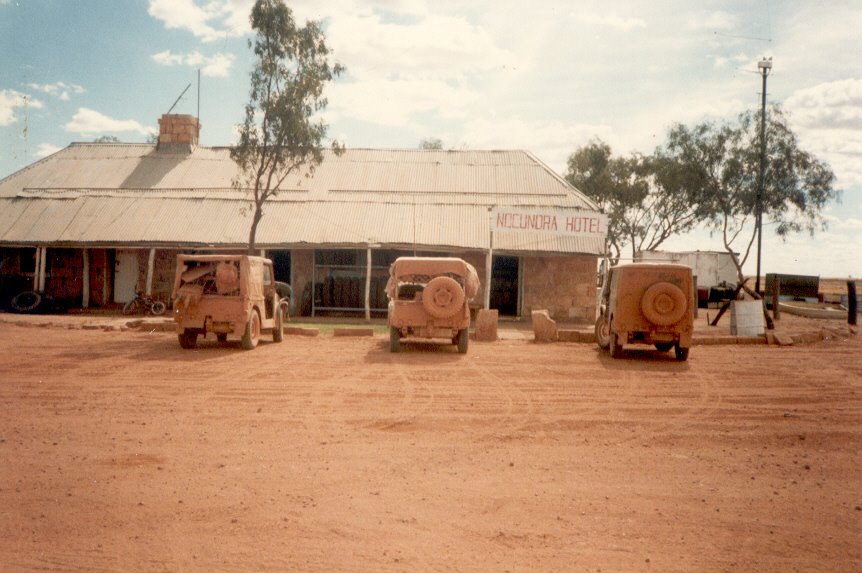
{"x":573,"y":222}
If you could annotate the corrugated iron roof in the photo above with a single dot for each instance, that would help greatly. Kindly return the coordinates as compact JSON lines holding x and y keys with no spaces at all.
{"x":127,"y":194}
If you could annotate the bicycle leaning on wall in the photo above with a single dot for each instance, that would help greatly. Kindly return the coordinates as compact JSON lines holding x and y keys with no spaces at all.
{"x":144,"y":303}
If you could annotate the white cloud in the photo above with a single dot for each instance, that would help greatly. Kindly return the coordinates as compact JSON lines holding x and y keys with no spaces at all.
{"x":712,"y":21}
{"x":11,"y":99}
{"x":397,"y":103}
{"x":828,"y":120}
{"x":430,"y":47}
{"x":611,"y":21}
{"x":88,"y":123}
{"x":832,"y":105}
{"x":405,"y":69}
{"x":551,"y":141}
{"x":722,"y":62}
{"x":839,"y":224}
{"x":59,"y":90}
{"x":46,"y":149}
{"x":214,"y":20}
{"x":218,"y":65}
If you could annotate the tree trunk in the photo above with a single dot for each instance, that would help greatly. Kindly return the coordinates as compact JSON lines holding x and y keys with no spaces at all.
{"x":253,"y":231}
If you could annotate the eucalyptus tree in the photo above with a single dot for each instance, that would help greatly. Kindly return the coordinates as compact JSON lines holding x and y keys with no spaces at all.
{"x":720,"y":163}
{"x":282,"y":133}
{"x":641,"y":195}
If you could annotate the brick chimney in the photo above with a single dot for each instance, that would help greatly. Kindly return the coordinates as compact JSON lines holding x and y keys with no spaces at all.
{"x":178,"y":133}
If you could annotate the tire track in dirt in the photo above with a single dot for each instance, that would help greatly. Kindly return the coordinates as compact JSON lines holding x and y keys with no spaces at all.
{"x":417,"y":396}
{"x":519,"y":410}
{"x":515,"y":456}
{"x":410,"y":410}
{"x":706,"y":401}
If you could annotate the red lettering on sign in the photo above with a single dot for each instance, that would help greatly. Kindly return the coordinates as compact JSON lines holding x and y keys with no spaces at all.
{"x":576,"y":225}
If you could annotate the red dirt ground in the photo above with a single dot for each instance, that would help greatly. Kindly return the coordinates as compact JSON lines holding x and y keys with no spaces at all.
{"x":121,"y":452}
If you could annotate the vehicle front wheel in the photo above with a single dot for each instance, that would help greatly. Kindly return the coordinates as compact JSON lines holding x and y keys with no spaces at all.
{"x":394,"y":339}
{"x":251,"y":336}
{"x":463,"y":341}
{"x":663,"y":346}
{"x":158,"y":308}
{"x":602,"y":333}
{"x":681,"y":353}
{"x":188,"y":338}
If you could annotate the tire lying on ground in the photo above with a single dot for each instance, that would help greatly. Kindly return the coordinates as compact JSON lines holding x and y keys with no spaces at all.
{"x":26,"y":301}
{"x":442,"y":297}
{"x":664,"y":304}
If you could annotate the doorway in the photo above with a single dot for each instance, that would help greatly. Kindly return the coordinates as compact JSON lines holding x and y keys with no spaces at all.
{"x":505,"y":285}
{"x":125,"y":275}
{"x":281,"y":265}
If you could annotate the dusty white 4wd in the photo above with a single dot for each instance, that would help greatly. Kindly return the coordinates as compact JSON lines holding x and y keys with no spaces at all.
{"x":647,"y":303}
{"x":429,"y":298}
{"x":227,"y":295}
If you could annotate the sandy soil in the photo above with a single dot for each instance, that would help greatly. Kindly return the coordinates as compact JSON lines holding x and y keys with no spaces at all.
{"x":121,"y":452}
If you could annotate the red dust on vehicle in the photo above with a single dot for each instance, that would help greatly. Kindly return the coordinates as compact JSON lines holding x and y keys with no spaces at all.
{"x":429,"y":298}
{"x":647,"y":303}
{"x":226,"y":295}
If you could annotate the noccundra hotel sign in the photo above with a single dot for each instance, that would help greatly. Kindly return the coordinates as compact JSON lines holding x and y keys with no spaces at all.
{"x":570,"y":222}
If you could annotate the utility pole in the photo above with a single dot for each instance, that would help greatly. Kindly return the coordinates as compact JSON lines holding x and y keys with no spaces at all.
{"x":764,"y":66}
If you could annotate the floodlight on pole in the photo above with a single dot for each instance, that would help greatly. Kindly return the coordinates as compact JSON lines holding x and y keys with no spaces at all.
{"x":763,"y":66}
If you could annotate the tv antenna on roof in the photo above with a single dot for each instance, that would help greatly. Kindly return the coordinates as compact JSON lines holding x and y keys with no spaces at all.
{"x":179,"y":98}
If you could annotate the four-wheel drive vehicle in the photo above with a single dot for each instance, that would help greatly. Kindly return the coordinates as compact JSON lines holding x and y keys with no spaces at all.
{"x":226,"y":294}
{"x":647,"y":303}
{"x":429,"y":298}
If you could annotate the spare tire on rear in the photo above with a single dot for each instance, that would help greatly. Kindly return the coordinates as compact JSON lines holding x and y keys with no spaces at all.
{"x":443,"y":297}
{"x":664,"y":304}
{"x":26,"y":301}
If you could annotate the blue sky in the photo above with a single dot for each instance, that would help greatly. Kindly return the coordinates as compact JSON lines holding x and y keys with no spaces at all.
{"x":487,"y":74}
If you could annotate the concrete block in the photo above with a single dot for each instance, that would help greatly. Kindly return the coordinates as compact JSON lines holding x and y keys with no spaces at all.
{"x":486,"y":325}
{"x":576,"y":336}
{"x":353,"y":332}
{"x":783,"y":339}
{"x":544,"y":327}
{"x":299,"y":331}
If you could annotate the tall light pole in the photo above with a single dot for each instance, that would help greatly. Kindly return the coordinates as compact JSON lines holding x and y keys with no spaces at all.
{"x":763,"y":66}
